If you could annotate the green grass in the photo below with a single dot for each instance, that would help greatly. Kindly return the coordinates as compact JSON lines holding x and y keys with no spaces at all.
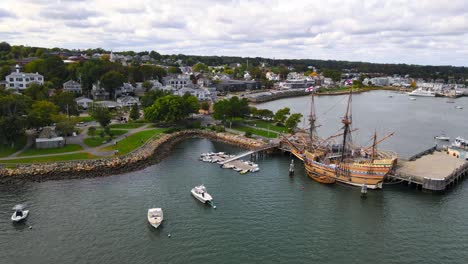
{"x":6,"y":151}
{"x":66,"y":157}
{"x":127,"y":125}
{"x":94,"y":141}
{"x":66,"y":148}
{"x":134,"y":141}
{"x":267,"y":125}
{"x":85,"y":118}
{"x":114,"y":132}
{"x":257,"y":132}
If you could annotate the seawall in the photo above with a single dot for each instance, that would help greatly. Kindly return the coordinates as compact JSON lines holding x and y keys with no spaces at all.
{"x":150,"y":153}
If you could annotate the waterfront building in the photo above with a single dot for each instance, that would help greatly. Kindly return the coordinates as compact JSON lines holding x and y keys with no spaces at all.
{"x":380,"y":81}
{"x":237,"y":85}
{"x":20,"y":80}
{"x":72,"y":86}
{"x":48,"y":139}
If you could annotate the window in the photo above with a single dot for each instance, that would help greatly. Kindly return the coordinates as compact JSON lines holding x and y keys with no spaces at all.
{"x":12,"y":79}
{"x":12,"y":85}
{"x":20,"y":85}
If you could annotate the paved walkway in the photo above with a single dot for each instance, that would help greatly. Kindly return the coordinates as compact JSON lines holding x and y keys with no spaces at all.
{"x":96,"y":151}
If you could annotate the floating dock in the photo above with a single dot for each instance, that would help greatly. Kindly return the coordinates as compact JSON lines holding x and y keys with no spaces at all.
{"x":431,"y":170}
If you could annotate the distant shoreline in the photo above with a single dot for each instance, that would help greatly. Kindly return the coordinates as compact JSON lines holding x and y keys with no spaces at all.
{"x":298,"y":93}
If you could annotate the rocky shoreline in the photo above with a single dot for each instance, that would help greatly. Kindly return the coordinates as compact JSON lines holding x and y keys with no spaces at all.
{"x":150,"y":153}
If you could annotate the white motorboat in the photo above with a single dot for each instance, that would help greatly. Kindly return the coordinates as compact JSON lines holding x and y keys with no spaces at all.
{"x":458,"y":107}
{"x":422,"y":92}
{"x":255,"y":169}
{"x":237,"y":169}
{"x":155,"y":216}
{"x":412,"y":99}
{"x":227,"y":166}
{"x":201,"y":194}
{"x":19,"y":214}
{"x":442,"y":137}
{"x":460,"y":143}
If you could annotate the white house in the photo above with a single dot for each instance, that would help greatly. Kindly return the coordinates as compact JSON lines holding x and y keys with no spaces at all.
{"x":272,"y":76}
{"x":201,"y":94}
{"x":203,"y":82}
{"x":49,"y":139}
{"x":98,"y":92}
{"x":128,"y":101}
{"x":247,"y":76}
{"x":72,"y":87}
{"x":178,"y":82}
{"x":126,"y":89}
{"x":20,"y":81}
{"x":83,"y":102}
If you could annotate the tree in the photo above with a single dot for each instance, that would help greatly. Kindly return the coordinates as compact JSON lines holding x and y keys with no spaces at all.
{"x":147,"y":85}
{"x":4,"y":71}
{"x":174,"y":70}
{"x":102,"y":115}
{"x":111,"y":81}
{"x":65,"y":127}
{"x":413,"y":84}
{"x":150,"y":97}
{"x":4,"y":47}
{"x":205,"y":106}
{"x":11,"y":128}
{"x":265,"y":114}
{"x":292,"y":121}
{"x":200,"y":67}
{"x":66,"y":102}
{"x":232,"y":108}
{"x":333,"y":74}
{"x":42,"y":113}
{"x":92,"y":131}
{"x":37,"y":92}
{"x":281,"y":115}
{"x":134,"y":112}
{"x":171,"y":108}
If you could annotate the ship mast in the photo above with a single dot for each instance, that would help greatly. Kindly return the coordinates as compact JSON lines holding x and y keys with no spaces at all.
{"x":347,"y":120}
{"x":312,"y":119}
{"x":373,"y":146}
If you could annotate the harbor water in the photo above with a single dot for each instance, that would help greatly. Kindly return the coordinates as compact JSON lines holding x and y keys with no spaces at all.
{"x":263,"y":217}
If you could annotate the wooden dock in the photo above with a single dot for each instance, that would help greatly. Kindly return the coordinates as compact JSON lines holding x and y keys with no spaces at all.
{"x":430,"y":170}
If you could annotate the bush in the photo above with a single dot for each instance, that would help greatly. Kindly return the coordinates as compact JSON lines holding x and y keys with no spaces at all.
{"x":172,"y":130}
{"x":194,"y":125}
{"x":220,"y":129}
{"x":248,"y":133}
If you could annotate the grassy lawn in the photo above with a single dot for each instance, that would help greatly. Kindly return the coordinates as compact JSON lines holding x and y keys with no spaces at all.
{"x":134,"y":141}
{"x":6,"y":151}
{"x":267,"y":125}
{"x":66,"y":148}
{"x":114,"y":132}
{"x":258,"y":132}
{"x":85,"y":118}
{"x":127,"y":125}
{"x":94,"y":141}
{"x":66,"y":157}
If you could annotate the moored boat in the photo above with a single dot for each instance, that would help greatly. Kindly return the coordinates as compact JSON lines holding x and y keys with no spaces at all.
{"x":20,"y":214}
{"x":200,"y":193}
{"x":442,"y":137}
{"x":155,"y":217}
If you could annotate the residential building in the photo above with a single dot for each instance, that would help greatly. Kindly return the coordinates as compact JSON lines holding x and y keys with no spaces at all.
{"x":125,"y":89}
{"x":72,"y":86}
{"x":203,"y":82}
{"x":98,"y":92}
{"x":272,"y":76}
{"x":128,"y":101}
{"x":201,"y":94}
{"x":20,"y":81}
{"x":83,"y":102}
{"x":380,"y":81}
{"x":179,"y":81}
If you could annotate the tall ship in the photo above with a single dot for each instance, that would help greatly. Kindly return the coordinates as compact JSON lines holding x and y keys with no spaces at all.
{"x":337,"y":159}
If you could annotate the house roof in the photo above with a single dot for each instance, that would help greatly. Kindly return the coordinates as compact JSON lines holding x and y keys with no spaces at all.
{"x":48,"y":132}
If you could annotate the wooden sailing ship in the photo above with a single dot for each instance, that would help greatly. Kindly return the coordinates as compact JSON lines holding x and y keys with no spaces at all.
{"x":343,"y":162}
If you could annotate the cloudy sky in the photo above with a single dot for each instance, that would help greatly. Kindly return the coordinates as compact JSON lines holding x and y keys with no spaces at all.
{"x":388,"y":31}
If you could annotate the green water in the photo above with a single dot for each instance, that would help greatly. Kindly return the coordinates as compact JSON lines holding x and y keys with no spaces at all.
{"x":264,"y":217}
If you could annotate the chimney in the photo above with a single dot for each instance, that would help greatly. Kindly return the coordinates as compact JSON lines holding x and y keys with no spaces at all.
{"x":17,"y":67}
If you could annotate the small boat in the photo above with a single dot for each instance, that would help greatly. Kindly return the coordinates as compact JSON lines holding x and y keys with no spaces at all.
{"x":364,"y":191}
{"x":413,"y":99}
{"x":458,"y":107}
{"x":201,"y":194}
{"x":227,"y":166}
{"x":19,"y":214}
{"x":442,"y":137}
{"x":450,"y":101}
{"x":390,"y":96}
{"x":243,"y":171}
{"x":255,"y":169}
{"x":237,"y":169}
{"x":155,"y":216}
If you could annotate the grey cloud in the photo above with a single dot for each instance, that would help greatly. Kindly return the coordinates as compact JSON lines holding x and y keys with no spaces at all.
{"x":6,"y":14}
{"x":174,"y":24}
{"x":84,"y":24}
{"x":68,"y":14}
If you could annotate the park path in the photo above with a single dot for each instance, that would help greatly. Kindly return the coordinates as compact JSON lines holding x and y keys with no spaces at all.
{"x":96,"y":151}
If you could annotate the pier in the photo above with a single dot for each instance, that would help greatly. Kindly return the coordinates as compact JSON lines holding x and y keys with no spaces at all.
{"x":430,"y":170}
{"x":244,"y":154}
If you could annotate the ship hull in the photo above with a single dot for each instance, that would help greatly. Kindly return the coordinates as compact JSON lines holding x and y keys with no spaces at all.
{"x":352,"y":174}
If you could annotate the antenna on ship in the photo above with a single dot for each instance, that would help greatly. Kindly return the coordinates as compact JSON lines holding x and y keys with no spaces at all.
{"x":373,"y":146}
{"x":347,"y":120}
